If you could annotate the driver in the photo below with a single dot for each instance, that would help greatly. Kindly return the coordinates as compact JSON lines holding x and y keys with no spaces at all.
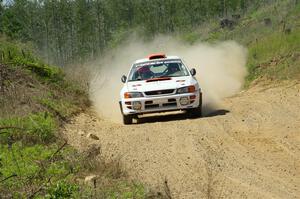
{"x":144,"y":73}
{"x":173,"y":68}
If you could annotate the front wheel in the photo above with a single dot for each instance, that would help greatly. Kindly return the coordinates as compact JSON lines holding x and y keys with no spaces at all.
{"x":127,"y":119}
{"x":195,"y":112}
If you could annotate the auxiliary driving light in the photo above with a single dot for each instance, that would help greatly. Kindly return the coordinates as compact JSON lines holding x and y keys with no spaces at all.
{"x":184,"y":101}
{"x":137,"y":105}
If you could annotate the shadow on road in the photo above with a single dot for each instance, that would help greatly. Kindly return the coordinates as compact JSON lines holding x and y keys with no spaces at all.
{"x":207,"y":112}
{"x":217,"y":113}
{"x":162,"y":118}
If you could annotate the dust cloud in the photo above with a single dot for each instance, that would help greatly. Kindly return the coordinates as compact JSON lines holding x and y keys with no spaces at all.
{"x":220,"y":70}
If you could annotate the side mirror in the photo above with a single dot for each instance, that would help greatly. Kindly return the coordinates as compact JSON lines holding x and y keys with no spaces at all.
{"x":193,"y":72}
{"x":123,"y":78}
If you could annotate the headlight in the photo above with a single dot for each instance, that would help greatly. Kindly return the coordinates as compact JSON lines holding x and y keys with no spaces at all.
{"x":184,"y":101}
{"x":188,"y":89}
{"x":136,"y":105}
{"x":133,"y":95}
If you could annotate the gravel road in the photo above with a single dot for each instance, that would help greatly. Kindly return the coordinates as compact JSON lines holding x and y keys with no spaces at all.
{"x":248,"y":148}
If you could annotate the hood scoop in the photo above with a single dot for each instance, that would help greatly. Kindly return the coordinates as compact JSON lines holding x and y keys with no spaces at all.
{"x":159,"y":79}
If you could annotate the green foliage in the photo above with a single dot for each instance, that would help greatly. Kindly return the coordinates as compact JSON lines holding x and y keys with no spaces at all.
{"x":41,"y":124}
{"x":69,"y":97}
{"x":273,"y":56}
{"x":214,"y":36}
{"x":72,"y":31}
{"x":273,"y":49}
{"x":20,"y":160}
{"x":31,"y":166}
{"x":39,"y":127}
{"x":9,"y":50}
{"x":18,"y":54}
{"x":61,"y":107}
{"x":125,"y":190}
{"x":52,"y":73}
{"x":118,"y":37}
{"x":190,"y":37}
{"x":62,"y":189}
{"x":30,"y":155}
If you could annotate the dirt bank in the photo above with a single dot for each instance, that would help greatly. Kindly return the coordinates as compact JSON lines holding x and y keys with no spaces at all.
{"x":249,"y":148}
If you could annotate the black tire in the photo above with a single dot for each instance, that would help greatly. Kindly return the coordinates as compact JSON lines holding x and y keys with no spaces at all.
{"x":196,"y":112}
{"x":127,"y":119}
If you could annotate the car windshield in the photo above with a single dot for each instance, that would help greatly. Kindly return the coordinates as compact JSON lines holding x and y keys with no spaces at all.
{"x":157,"y":69}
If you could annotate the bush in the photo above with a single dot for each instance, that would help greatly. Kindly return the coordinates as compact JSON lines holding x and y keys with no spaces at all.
{"x":34,"y":128}
{"x":61,"y":190}
{"x":33,"y":166}
{"x":20,"y":55}
{"x":62,"y":108}
{"x":10,"y":50}
{"x":49,"y":72}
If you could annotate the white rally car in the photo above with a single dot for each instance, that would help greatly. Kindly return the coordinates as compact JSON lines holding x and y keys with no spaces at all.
{"x":159,"y":83}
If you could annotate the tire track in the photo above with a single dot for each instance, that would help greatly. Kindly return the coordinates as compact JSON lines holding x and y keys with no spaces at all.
{"x":250,"y":149}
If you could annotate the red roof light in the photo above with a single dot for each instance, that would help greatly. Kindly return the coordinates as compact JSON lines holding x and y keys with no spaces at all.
{"x":157,"y":56}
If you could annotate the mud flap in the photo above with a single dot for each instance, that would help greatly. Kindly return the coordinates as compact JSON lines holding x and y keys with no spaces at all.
{"x":121,"y":109}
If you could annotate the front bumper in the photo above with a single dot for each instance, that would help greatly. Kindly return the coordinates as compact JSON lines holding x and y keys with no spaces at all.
{"x":161,"y":103}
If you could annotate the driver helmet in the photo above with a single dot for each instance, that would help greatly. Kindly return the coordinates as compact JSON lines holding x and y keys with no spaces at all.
{"x":145,"y":72}
{"x":173,"y":67}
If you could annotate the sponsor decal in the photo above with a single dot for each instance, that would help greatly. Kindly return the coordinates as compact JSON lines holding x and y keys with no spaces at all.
{"x":157,"y":63}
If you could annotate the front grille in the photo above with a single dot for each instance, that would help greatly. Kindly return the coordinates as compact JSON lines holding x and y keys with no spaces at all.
{"x":170,"y":104}
{"x":151,"y":106}
{"x":160,"y":92}
{"x":148,"y":102}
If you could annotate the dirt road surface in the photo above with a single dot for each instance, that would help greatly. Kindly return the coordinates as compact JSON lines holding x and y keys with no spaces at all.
{"x":248,"y":148}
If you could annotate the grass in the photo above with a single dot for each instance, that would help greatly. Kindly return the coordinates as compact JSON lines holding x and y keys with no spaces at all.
{"x":34,"y":128}
{"x":274,"y":50}
{"x":62,"y":189}
{"x":125,"y":190}
{"x":62,"y":108}
{"x":30,"y":155}
{"x":18,"y":54}
{"x":275,"y":56}
{"x":36,"y":99}
{"x":34,"y":161}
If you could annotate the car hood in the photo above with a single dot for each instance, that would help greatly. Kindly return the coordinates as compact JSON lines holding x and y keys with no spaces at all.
{"x":159,"y":84}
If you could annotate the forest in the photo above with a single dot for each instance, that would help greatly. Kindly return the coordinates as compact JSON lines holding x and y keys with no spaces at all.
{"x":72,"y":31}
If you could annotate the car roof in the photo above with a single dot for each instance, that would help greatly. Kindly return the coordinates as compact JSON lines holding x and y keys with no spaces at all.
{"x":162,"y":59}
